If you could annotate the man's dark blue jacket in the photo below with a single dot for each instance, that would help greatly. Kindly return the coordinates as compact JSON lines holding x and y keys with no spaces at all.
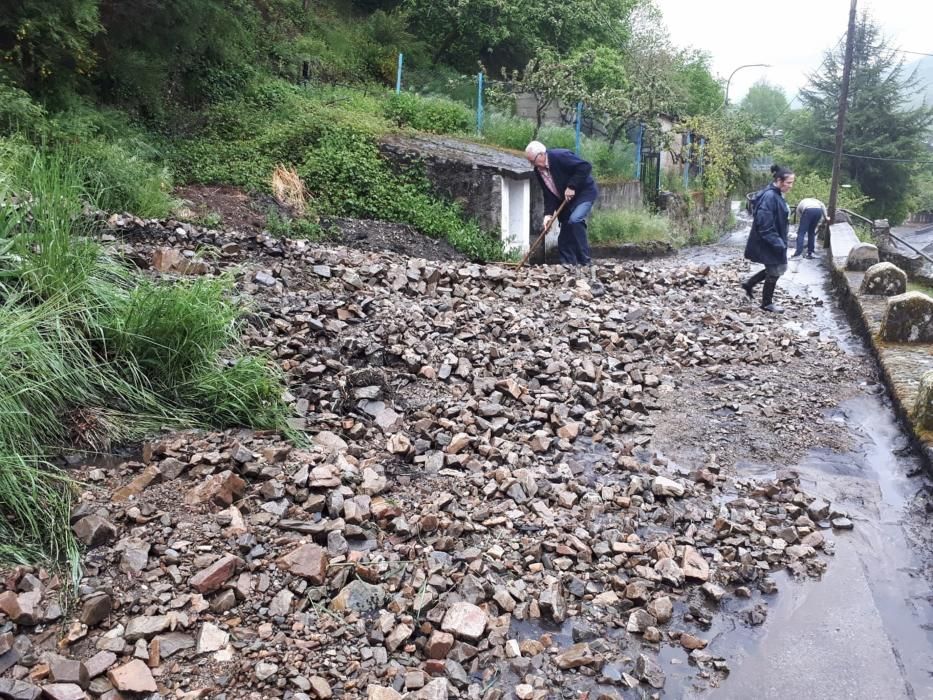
{"x":568,"y":170}
{"x":767,"y":241}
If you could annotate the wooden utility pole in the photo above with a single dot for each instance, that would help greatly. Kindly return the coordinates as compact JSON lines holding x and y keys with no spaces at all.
{"x":841,"y":116}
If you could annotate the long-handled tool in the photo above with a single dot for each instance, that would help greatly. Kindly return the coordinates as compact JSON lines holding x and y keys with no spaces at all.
{"x":544,"y":230}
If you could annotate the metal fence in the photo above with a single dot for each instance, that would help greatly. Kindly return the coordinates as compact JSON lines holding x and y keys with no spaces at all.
{"x":639,"y":149}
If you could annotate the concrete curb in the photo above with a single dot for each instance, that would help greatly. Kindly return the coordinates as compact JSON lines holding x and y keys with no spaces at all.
{"x":902,"y":365}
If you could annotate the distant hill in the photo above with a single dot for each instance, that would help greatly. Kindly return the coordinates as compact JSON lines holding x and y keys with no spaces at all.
{"x":924,"y":69}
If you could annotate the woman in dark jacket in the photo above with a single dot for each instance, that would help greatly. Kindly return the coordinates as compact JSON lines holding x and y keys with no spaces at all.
{"x":767,"y":241}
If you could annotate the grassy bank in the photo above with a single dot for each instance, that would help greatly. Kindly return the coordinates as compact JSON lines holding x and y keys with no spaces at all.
{"x":91,"y":354}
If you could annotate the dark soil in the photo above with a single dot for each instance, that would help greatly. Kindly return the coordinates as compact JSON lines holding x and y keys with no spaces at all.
{"x":237,"y":209}
{"x":384,"y":235}
{"x":245,"y":212}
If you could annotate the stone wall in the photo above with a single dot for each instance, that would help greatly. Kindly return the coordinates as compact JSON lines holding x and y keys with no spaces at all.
{"x":903,"y":365}
{"x":620,"y":195}
{"x":477,"y":191}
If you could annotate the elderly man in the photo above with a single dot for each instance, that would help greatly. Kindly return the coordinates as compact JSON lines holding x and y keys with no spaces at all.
{"x":564,"y":176}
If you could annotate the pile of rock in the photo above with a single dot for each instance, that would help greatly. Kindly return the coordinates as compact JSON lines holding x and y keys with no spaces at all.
{"x":479,"y":512}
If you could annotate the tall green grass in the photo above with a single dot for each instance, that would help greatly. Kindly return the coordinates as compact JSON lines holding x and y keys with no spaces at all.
{"x":628,"y":226}
{"x":90,"y":354}
{"x":120,"y":166}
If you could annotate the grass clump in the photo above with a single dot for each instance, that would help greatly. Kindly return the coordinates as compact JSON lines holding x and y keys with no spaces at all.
{"x":90,"y":353}
{"x":298,"y":227}
{"x":120,"y":166}
{"x":628,"y":226}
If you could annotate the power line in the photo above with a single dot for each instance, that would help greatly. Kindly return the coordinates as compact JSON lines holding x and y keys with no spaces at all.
{"x":854,"y":155}
{"x":915,"y":53}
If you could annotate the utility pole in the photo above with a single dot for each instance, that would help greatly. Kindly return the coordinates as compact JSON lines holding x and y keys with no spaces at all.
{"x":841,"y":117}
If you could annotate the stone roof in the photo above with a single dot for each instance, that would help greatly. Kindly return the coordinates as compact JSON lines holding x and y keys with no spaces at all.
{"x":505,"y":163}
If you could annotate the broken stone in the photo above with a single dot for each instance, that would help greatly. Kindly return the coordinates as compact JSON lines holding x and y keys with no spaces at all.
{"x":649,"y":672}
{"x":694,"y":565}
{"x":18,"y":690}
{"x":574,"y":657}
{"x":132,"y":677}
{"x":99,"y":663}
{"x":22,"y":608}
{"x":68,"y":671}
{"x":94,"y":531}
{"x":439,"y":645}
{"x":211,"y":638}
{"x":662,"y":486}
{"x":146,"y":626}
{"x":221,"y":489}
{"x":214,"y":576}
{"x":307,"y":560}
{"x":359,"y":596}
{"x":96,"y":609}
{"x":551,"y":601}
{"x":63,"y":691}
{"x":465,"y":621}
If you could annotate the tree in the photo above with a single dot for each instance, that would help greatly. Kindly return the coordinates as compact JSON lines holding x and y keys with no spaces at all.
{"x":509,"y":33}
{"x":881,"y":132}
{"x":764,"y":104}
{"x":728,"y":147}
{"x":548,"y":78}
{"x":48,"y":43}
{"x":697,"y":91}
{"x":664,"y":78}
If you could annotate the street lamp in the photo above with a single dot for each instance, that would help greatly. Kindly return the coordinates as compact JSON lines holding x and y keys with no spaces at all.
{"x":747,"y":65}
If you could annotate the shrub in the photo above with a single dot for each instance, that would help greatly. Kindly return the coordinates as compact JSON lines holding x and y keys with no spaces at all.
{"x":558,"y":137}
{"x":18,"y":112}
{"x":330,"y":136}
{"x":811,"y":184}
{"x":609,"y":162}
{"x":441,"y":81}
{"x":433,"y":114}
{"x":350,"y":178}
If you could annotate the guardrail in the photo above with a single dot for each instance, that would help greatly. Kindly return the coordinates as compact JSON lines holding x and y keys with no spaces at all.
{"x":887,"y":233}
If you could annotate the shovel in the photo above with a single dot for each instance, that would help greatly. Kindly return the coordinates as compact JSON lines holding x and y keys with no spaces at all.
{"x":543,"y":233}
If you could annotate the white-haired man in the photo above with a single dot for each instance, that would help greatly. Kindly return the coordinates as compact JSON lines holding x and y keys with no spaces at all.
{"x":565,"y":176}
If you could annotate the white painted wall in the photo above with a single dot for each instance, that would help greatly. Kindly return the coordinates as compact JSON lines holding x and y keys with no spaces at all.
{"x":515,"y":221}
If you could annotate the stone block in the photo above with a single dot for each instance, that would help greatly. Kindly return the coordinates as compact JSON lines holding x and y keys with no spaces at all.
{"x":884,"y":278}
{"x":861,"y":257}
{"x":923,"y":409}
{"x":908,"y":319}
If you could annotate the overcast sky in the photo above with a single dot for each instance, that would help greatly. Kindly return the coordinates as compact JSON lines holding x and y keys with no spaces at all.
{"x":791,"y":35}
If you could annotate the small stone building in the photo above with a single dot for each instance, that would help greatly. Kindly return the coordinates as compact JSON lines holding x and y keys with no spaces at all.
{"x":494,"y":187}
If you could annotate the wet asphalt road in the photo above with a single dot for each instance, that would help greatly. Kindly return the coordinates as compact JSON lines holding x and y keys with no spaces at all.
{"x":865,"y":631}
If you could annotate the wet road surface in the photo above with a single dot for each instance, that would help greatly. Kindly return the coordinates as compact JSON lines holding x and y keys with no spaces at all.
{"x":865,"y":631}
